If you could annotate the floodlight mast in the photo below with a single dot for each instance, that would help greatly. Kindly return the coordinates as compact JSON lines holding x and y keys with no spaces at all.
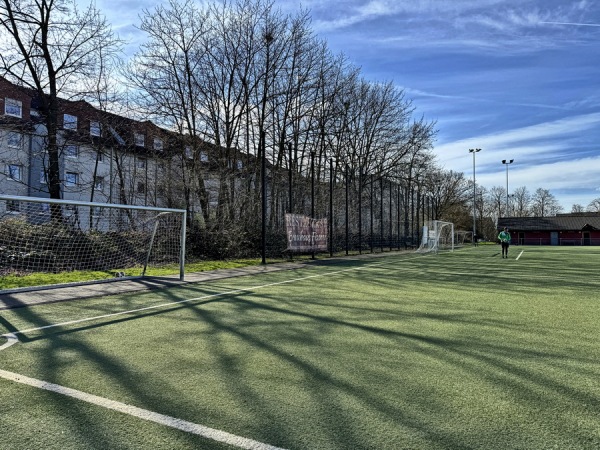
{"x":506,"y":163}
{"x":474,"y":150}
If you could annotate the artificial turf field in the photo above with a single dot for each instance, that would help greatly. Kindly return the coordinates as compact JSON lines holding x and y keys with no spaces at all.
{"x":461,"y":350}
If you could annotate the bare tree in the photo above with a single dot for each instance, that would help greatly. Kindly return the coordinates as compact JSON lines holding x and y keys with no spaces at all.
{"x":522,"y":202}
{"x":452,"y":197}
{"x":544,"y":203}
{"x":53,"y":47}
{"x":577,"y":208}
{"x":594,"y":205}
{"x":496,"y":198}
{"x":259,"y":81}
{"x":166,"y":76}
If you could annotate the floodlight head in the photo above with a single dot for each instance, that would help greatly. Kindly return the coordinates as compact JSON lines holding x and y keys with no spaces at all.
{"x":474,"y":150}
{"x":503,"y":161}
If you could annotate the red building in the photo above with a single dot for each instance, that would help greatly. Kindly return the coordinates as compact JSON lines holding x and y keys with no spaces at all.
{"x":562,"y":229}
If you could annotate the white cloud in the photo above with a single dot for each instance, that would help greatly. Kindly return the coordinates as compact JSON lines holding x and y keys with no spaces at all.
{"x":526,"y":137}
{"x":573,"y":23}
{"x":572,"y":174}
{"x":545,"y":155}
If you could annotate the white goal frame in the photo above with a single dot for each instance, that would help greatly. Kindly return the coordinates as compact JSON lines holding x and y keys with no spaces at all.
{"x":141,"y":235}
{"x":437,"y":235}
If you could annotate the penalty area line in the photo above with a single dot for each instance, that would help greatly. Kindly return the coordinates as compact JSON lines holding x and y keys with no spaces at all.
{"x":183,"y":425}
{"x":519,"y":255}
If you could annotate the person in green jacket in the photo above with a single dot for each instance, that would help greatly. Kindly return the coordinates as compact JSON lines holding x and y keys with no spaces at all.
{"x":504,"y":237}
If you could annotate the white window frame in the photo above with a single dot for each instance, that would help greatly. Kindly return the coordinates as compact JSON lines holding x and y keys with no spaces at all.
{"x":71,"y":179}
{"x":158,"y":145}
{"x":95,"y":128}
{"x":14,"y":172}
{"x":14,"y":139}
{"x":70,"y":210}
{"x":71,"y":151}
{"x":139,"y":139}
{"x":13,"y":107}
{"x":69,"y":122}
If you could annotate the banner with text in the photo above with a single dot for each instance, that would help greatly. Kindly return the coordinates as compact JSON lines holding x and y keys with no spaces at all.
{"x":305,"y":234}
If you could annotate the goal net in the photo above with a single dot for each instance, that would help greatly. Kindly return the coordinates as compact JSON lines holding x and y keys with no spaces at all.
{"x":44,"y":235}
{"x":437,"y":235}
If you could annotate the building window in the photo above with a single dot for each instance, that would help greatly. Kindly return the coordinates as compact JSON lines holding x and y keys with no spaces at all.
{"x":99,"y":183}
{"x":141,"y":187}
{"x":203,"y":157}
{"x":188,"y":152}
{"x":13,"y":107}
{"x":43,"y":178}
{"x":71,"y":151}
{"x":158,"y":145}
{"x":138,"y":139}
{"x":69,"y":122}
{"x":14,"y":139}
{"x":12,"y":206}
{"x":71,"y":179}
{"x":95,"y":129}
{"x":14,"y":172}
{"x":71,"y":210}
{"x":141,"y":163}
{"x":240,"y":164}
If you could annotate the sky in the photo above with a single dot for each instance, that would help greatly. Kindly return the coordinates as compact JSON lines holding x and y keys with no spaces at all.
{"x":519,"y":79}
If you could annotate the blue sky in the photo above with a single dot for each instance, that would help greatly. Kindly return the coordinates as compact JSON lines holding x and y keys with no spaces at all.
{"x":519,"y":79}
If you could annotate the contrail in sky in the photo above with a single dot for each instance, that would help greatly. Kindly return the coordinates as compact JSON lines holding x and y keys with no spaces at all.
{"x":574,"y":23}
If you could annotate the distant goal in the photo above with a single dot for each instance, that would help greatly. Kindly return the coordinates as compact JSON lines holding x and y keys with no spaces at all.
{"x":437,"y":235}
{"x":44,"y":235}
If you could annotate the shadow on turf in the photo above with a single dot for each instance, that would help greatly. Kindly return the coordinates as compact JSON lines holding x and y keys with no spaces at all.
{"x":90,"y":431}
{"x":325,"y":384}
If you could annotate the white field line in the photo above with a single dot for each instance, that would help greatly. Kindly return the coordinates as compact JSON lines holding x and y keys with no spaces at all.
{"x":520,"y":254}
{"x":188,"y":427}
{"x":11,"y":339}
{"x":14,"y":334}
{"x":200,"y":430}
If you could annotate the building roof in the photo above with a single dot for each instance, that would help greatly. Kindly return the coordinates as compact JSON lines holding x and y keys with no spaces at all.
{"x":561,"y":222}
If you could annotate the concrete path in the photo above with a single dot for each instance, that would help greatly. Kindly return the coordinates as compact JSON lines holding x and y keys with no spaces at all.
{"x":24,"y":297}
{"x":47,"y":294}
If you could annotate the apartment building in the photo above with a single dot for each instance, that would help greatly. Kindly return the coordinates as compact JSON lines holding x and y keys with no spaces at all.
{"x":103,"y":157}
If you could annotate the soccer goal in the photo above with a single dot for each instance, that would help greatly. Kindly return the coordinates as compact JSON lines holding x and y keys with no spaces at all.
{"x":437,"y":235}
{"x":44,"y":235}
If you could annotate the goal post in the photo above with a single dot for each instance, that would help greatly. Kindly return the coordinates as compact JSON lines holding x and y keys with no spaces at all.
{"x":437,"y":235}
{"x":46,"y":235}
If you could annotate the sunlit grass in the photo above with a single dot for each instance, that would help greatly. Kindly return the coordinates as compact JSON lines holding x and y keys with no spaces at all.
{"x":17,"y":280}
{"x":24,"y":279}
{"x":451,"y":351}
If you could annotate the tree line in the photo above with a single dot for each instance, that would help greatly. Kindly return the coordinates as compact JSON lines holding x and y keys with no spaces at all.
{"x":251,"y":81}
